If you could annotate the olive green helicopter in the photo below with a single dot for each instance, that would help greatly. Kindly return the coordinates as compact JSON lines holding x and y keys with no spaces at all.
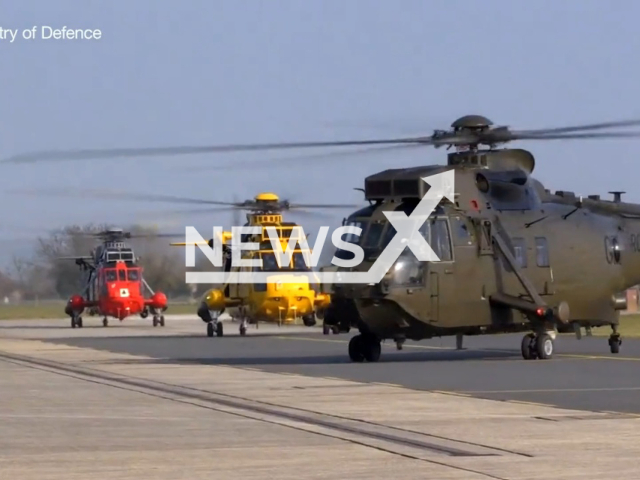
{"x":513,"y":256}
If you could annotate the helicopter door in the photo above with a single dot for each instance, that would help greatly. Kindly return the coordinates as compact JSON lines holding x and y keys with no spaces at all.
{"x":441,"y":274}
{"x":543,"y":276}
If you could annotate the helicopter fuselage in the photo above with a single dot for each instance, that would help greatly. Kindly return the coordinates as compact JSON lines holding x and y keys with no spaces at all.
{"x":286,"y":296}
{"x":509,"y":258}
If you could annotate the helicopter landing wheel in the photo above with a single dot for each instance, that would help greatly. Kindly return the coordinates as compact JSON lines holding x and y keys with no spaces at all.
{"x":105,"y":322}
{"x":73,"y":322}
{"x":528,"y":347}
{"x":219,"y":329}
{"x":364,"y":347}
{"x":309,"y":320}
{"x":79,"y":322}
{"x":162,"y":320}
{"x":537,"y":346}
{"x":335,"y":329}
{"x":544,"y":346}
{"x":614,"y":343}
{"x":355,"y":349}
{"x":210,"y":329}
{"x":243,"y":331}
{"x":326,"y":329}
{"x":156,"y":320}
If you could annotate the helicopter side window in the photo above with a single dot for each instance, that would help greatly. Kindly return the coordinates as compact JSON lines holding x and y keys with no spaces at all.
{"x":441,"y":240}
{"x":373,"y":236}
{"x":110,"y":275}
{"x":542,"y":252}
{"x":464,"y":235}
{"x":520,"y":252}
{"x":133,"y":276}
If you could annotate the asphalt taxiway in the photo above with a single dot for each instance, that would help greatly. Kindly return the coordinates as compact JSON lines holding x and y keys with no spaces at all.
{"x":582,"y":375}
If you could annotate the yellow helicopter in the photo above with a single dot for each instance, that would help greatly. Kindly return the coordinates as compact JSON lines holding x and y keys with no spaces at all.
{"x":291,"y":293}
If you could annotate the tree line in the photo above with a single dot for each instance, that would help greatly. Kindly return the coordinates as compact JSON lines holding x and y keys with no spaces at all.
{"x":50,"y":272}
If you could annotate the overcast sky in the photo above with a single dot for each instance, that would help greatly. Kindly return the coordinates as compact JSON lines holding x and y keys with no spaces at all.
{"x":204,"y":72}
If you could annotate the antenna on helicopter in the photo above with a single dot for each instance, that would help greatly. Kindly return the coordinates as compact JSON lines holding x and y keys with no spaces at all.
{"x":365,"y":193}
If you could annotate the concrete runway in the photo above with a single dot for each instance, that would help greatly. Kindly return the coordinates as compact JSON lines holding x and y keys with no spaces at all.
{"x":582,"y":375}
{"x":138,"y":402}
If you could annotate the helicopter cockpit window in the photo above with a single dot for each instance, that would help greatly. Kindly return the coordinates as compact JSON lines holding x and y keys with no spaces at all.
{"x":389,"y":233}
{"x":299,"y":264}
{"x":441,"y":240}
{"x":110,"y":275}
{"x":352,"y":237}
{"x":133,"y":275}
{"x":372,"y":238}
{"x":122,"y":275}
{"x":269,"y":262}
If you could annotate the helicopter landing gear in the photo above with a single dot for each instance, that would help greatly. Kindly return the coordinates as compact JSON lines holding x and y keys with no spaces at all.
{"x":243,"y":327}
{"x":537,"y":346}
{"x":327,"y":329}
{"x":309,"y":320}
{"x":76,"y":322}
{"x":364,"y":347}
{"x":144,"y":313}
{"x":215,"y":328}
{"x":615,"y":340}
{"x":105,"y":322}
{"x":158,"y":320}
{"x":459,"y":340}
{"x":400,"y":342}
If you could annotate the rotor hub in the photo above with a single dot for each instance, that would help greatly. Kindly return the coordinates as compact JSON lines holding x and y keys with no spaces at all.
{"x":472,"y":122}
{"x":266,"y":197}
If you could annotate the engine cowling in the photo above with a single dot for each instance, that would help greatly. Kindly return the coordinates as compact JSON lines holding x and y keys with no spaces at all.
{"x":214,"y":300}
{"x":75,"y":305}
{"x":159,"y":301}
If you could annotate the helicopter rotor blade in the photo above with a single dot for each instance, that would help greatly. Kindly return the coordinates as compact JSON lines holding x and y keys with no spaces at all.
{"x":577,"y":128}
{"x":293,"y":161}
{"x":313,"y":214}
{"x":438,"y":139}
{"x":95,"y":154}
{"x":572,"y":136}
{"x":155,"y":235}
{"x":117,"y":195}
{"x":322,"y":206}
